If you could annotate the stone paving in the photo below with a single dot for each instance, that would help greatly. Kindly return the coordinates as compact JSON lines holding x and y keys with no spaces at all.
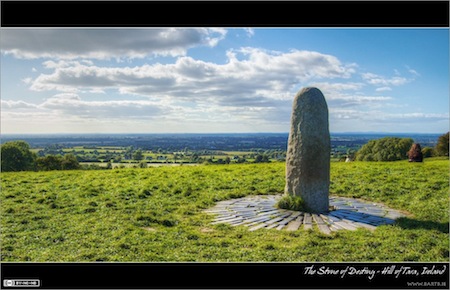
{"x":257,"y":212}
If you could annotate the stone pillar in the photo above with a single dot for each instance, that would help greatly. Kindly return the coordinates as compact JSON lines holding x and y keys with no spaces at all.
{"x":308,"y":152}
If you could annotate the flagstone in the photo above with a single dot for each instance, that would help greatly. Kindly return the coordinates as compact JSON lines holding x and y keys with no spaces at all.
{"x":258,"y":212}
{"x":294,"y":225}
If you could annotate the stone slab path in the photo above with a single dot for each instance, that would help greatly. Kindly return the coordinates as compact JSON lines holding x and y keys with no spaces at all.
{"x":257,"y":212}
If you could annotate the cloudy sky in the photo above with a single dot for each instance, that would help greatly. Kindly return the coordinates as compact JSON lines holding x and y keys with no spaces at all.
{"x":208,"y":80}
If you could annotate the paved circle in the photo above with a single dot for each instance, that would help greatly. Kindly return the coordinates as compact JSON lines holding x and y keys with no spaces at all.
{"x":259,"y":211}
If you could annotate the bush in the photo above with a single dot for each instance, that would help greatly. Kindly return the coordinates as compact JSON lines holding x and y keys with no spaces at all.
{"x":50,"y":162}
{"x":56,"y":162}
{"x":415,"y":153}
{"x":428,"y":152}
{"x":261,"y":158}
{"x":385,"y":149}
{"x":70,"y":162}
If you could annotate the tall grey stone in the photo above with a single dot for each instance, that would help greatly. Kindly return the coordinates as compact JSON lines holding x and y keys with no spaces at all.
{"x":308,"y":152}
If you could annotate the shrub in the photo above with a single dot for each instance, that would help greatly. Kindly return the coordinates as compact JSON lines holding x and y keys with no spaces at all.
{"x":50,"y":162}
{"x":415,"y":153}
{"x":428,"y":152}
{"x":70,"y":162}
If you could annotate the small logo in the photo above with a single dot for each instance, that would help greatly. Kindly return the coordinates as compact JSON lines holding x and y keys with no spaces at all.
{"x":8,"y":283}
{"x":21,"y":283}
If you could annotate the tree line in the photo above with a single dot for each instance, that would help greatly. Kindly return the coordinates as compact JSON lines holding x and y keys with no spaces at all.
{"x":393,"y":148}
{"x":17,"y":156}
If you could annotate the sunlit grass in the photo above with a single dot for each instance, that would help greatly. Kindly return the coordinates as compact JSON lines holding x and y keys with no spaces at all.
{"x":156,"y":214}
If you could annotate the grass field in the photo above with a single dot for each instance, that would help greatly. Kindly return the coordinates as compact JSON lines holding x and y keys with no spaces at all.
{"x":155,"y":214}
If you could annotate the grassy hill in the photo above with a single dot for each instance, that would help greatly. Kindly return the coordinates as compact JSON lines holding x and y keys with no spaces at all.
{"x":155,"y":214}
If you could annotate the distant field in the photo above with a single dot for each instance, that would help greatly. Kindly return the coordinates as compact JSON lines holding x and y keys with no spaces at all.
{"x":131,"y":165}
{"x":121,"y":157}
{"x":155,"y":214}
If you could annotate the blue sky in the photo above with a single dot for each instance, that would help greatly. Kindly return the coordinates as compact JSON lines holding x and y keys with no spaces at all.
{"x":208,"y":80}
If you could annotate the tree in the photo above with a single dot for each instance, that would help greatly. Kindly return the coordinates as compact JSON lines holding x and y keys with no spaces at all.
{"x":415,"y":153}
{"x":385,"y":149}
{"x":241,"y":160}
{"x":137,"y":155}
{"x":261,"y":158}
{"x":128,"y":152}
{"x":442,"y":145}
{"x":69,"y":162}
{"x":49,"y":162}
{"x":16,"y":156}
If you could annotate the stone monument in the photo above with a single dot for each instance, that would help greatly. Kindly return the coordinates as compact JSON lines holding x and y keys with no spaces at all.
{"x":308,"y":152}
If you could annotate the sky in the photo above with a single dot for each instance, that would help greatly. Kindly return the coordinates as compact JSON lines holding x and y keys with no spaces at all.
{"x":221,"y":80}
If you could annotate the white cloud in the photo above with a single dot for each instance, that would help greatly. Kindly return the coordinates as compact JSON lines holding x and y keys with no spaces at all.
{"x":11,"y":104}
{"x":253,"y":87}
{"x":347,"y":95}
{"x":106,"y":43}
{"x":419,"y":116}
{"x":250,"y":32}
{"x":412,"y":71}
{"x":328,"y":88}
{"x":359,"y":99}
{"x":375,"y":79}
{"x":67,"y":105}
{"x":27,"y":81}
{"x":251,"y":76}
{"x":375,"y":116}
{"x":363,"y":120}
{"x":72,"y":104}
{"x":383,"y":89}
{"x":214,"y":36}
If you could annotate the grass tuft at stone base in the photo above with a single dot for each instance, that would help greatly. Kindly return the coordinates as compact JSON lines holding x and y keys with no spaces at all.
{"x":291,"y":202}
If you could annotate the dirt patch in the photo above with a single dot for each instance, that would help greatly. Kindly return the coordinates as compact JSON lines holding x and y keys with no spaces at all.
{"x":206,"y":230}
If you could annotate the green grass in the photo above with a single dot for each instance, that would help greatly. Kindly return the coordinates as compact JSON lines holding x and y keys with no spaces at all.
{"x":155,"y":214}
{"x":291,"y":202}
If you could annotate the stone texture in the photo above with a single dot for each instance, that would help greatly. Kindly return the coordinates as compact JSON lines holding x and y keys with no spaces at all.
{"x":308,"y":152}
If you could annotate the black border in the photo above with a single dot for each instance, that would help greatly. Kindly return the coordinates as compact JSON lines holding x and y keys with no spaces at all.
{"x":225,"y":13}
{"x":222,"y":275}
{"x":422,"y":14}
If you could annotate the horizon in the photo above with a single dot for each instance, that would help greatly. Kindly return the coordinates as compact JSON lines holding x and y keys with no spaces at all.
{"x":224,"y":133}
{"x":228,"y":80}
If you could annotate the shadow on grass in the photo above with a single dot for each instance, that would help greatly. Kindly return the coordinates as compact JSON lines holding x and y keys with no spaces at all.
{"x":403,"y":222}
{"x":410,"y":224}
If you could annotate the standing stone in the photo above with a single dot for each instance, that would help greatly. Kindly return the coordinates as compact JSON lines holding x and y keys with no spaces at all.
{"x":308,"y":152}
